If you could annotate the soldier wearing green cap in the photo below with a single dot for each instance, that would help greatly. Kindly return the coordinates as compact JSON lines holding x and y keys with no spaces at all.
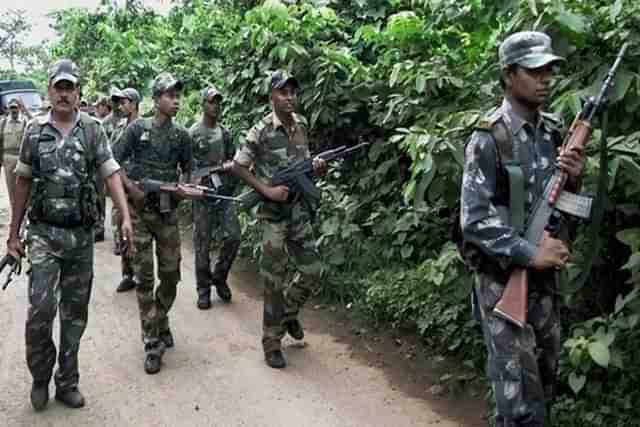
{"x":275,"y":142}
{"x":215,"y":224}
{"x":12,"y":128}
{"x":517,"y":142}
{"x":157,"y":148}
{"x":60,"y":156}
{"x":128,"y":102}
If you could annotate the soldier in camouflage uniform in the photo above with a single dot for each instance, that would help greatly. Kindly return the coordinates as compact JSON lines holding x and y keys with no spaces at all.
{"x":214,"y":221}
{"x":12,"y":128}
{"x":128,"y":101}
{"x":61,"y":153}
{"x":522,"y":361}
{"x":158,"y":149}
{"x":275,"y":142}
{"x":105,"y":114}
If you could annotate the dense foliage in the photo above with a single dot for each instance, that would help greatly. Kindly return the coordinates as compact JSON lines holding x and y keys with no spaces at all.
{"x":412,"y":77}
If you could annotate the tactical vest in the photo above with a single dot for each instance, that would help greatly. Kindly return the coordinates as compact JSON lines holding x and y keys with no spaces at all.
{"x":513,"y":172}
{"x":64,"y":200}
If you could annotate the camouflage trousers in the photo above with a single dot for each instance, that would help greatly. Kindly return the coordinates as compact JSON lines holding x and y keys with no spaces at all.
{"x":126,"y":263}
{"x":154,"y":304}
{"x":281,"y":240}
{"x":61,"y":276}
{"x":215,"y":227}
{"x":521,"y":361}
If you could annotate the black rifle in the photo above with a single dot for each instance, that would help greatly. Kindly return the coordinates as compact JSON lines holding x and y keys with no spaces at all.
{"x":16,"y":268}
{"x":299,"y":178}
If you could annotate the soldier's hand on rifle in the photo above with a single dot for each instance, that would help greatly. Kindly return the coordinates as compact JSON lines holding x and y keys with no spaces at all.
{"x":279,"y":193}
{"x":572,"y":161}
{"x":15,"y":248}
{"x":551,"y":253}
{"x":183,"y":191}
{"x":319,"y":166}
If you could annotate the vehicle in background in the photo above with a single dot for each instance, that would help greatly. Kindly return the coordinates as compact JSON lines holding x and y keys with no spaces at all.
{"x":23,"y":89}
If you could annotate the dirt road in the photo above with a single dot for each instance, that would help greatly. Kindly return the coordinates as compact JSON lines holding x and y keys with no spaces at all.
{"x":215,"y":376}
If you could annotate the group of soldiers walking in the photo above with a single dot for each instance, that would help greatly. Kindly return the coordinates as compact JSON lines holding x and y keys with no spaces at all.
{"x":64,"y":152}
{"x":66,"y":156}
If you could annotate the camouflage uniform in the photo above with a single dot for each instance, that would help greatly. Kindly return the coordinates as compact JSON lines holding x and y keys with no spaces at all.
{"x":160,"y":153}
{"x":11,"y":132}
{"x":286,"y":227}
{"x":110,"y":124}
{"x":60,"y":241}
{"x":214,"y":222}
{"x":521,"y":361}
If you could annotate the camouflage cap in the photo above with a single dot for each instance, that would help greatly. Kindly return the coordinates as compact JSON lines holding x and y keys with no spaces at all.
{"x":210,"y":92}
{"x":129,"y":93}
{"x":281,"y":77}
{"x":64,"y":69}
{"x":530,"y":49}
{"x":13,"y":103}
{"x":165,"y":82}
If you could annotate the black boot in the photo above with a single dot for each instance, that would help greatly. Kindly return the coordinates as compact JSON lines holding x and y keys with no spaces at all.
{"x":152,"y":364}
{"x":72,"y":398}
{"x":294,"y":327}
{"x":204,"y":298}
{"x":223,"y":290}
{"x":167,"y":338}
{"x":275,"y":359}
{"x":40,"y":395}
{"x":126,"y":284}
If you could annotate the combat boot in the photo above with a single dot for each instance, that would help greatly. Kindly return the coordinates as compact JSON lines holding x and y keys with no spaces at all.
{"x":152,"y":364}
{"x":72,"y":398}
{"x":39,"y":395}
{"x":167,"y":338}
{"x":126,"y":284}
{"x":294,"y":328}
{"x":275,"y":359}
{"x":204,"y":298}
{"x":223,"y":291}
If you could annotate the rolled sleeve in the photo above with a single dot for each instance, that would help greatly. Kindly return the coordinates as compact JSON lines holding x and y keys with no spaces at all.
{"x":246,"y":155}
{"x":483,"y":223}
{"x":108,"y":168}
{"x":23,"y":169}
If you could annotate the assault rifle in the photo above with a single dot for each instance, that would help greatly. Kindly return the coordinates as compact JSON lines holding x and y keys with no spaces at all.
{"x":15,"y":268}
{"x":513,"y":304}
{"x":188,"y":191}
{"x":299,"y":177}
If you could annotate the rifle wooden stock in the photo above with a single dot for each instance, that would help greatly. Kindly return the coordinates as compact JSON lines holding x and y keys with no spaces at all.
{"x":512,"y":306}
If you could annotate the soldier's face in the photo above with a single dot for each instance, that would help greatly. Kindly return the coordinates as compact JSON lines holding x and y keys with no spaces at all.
{"x":64,"y":96}
{"x":169,"y":102}
{"x":126,"y":107}
{"x":14,"y":112}
{"x":531,"y":85}
{"x":285,"y":99}
{"x":102,"y":111}
{"x":211,"y":107}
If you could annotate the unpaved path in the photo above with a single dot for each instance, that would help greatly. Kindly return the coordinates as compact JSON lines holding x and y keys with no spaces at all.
{"x":215,"y":376}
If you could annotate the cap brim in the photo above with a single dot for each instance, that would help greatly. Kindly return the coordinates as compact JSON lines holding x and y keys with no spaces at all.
{"x":283,"y":83}
{"x":538,"y":60}
{"x":64,"y":76}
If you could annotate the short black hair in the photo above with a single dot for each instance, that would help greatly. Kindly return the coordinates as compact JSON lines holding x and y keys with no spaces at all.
{"x":512,"y":68}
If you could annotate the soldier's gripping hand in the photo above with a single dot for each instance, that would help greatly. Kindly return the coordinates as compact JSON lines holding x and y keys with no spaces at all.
{"x":320,"y":166}
{"x":572,"y":161}
{"x":278,"y":193}
{"x":127,"y":238}
{"x":15,"y":248}
{"x":552,"y":253}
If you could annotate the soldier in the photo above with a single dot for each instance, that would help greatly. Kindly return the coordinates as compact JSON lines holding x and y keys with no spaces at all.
{"x":212,"y":145}
{"x":522,"y":361}
{"x":61,"y":153}
{"x":109,"y":120}
{"x":128,"y":102}
{"x":272,"y":144}
{"x":158,"y":149}
{"x":103,"y":108}
{"x":12,"y":129}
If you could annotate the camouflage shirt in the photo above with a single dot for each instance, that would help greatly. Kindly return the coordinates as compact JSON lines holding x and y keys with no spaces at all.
{"x":270,"y":147}
{"x":155,"y":152}
{"x":484,"y":208}
{"x":11,"y":132}
{"x":212,"y":147}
